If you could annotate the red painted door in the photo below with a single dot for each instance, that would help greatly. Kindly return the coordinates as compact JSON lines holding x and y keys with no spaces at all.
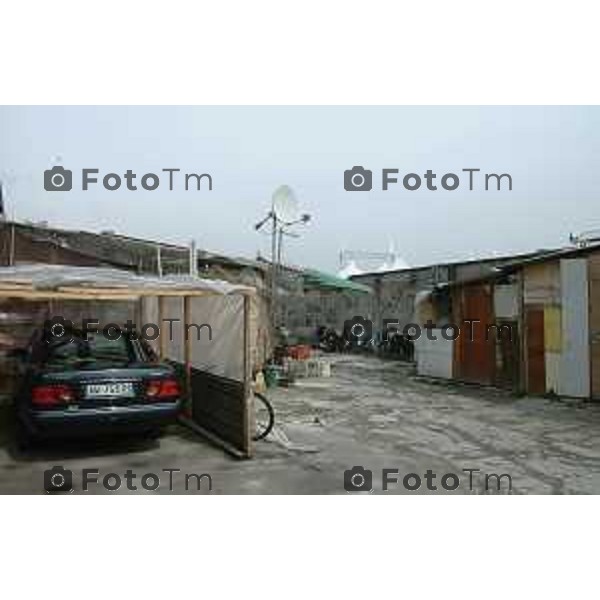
{"x":477,"y":352}
{"x":536,"y":364}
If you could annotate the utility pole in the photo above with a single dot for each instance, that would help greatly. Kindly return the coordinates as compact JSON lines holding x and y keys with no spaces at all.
{"x":11,"y":253}
{"x":274,"y":270}
{"x":2,"y":216}
{"x":193,"y":263}
{"x":283,"y":214}
{"x":159,"y":261}
{"x":11,"y":233}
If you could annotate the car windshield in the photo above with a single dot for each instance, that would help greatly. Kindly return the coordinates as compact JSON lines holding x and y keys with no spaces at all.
{"x":94,"y":352}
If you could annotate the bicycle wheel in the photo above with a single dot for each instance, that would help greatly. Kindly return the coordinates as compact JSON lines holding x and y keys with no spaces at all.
{"x":265,"y":416}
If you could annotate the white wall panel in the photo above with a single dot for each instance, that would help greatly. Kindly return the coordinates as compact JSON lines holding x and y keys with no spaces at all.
{"x":434,"y":357}
{"x":506,"y":301}
{"x":575,"y":362}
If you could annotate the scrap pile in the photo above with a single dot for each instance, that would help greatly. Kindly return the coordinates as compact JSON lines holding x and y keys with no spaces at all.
{"x":291,"y":363}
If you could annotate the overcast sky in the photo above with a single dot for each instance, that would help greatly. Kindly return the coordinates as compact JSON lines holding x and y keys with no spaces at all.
{"x":552,"y":153}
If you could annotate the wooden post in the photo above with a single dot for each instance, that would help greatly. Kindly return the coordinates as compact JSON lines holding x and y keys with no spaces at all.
{"x":11,"y":248}
{"x":162,"y":339}
{"x":187,"y":344}
{"x":138,"y":316}
{"x":522,"y":388}
{"x":249,"y":416}
{"x":159,"y":268}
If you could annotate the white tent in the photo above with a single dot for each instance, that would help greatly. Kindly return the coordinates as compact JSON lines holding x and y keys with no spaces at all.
{"x":397,"y":264}
{"x":349,"y":270}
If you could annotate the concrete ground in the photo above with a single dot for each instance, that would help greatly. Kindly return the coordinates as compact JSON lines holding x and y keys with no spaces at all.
{"x":370,"y":413}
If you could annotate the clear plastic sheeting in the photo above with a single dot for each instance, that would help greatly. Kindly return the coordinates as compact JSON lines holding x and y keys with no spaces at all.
{"x":223,"y":353}
{"x":216,"y":325}
{"x":216,"y":329}
{"x":49,"y":277}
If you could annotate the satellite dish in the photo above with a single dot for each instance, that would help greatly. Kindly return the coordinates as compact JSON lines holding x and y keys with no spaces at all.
{"x":285,"y":204}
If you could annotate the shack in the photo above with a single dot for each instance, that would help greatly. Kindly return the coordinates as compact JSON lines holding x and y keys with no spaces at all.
{"x":532,"y":326}
{"x":401,"y":295}
{"x":217,"y":367}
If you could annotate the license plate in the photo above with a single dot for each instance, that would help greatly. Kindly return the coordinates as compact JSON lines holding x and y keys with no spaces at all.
{"x":99,"y":390}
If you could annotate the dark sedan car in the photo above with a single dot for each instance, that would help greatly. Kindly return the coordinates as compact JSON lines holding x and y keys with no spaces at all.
{"x":91,"y":384}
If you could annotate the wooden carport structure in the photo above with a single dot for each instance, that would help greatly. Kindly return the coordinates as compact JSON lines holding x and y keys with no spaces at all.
{"x":219,"y":406}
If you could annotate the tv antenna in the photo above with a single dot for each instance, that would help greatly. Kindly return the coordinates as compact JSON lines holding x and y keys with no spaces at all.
{"x":284,"y":213}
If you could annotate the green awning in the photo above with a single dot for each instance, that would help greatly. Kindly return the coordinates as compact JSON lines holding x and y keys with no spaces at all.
{"x":319,"y":280}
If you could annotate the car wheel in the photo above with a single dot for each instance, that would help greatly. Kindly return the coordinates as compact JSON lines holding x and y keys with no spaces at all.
{"x":24,"y":440}
{"x":154,"y":433}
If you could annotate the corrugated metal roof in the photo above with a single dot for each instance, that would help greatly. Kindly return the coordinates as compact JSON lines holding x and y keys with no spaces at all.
{"x":483,"y":260}
{"x":551,"y":255}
